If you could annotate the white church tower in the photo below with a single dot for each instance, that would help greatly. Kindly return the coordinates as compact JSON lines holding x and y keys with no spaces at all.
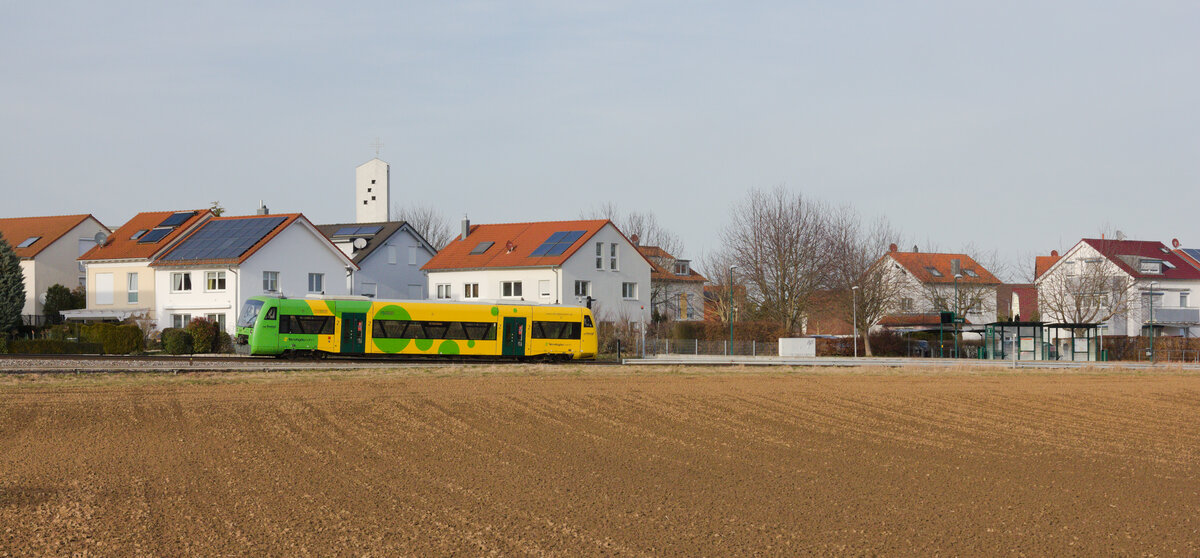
{"x":371,"y":191}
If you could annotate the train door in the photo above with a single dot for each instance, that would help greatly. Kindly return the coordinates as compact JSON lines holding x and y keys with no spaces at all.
{"x":354,"y":333}
{"x":514,"y":337}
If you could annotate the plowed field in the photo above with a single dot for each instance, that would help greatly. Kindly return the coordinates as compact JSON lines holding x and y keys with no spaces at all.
{"x":601,"y":463}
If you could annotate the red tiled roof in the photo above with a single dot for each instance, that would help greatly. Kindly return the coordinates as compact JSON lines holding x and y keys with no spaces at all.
{"x":918,"y":264}
{"x":660,"y":273}
{"x":1186,"y":255}
{"x":1042,"y":263}
{"x":522,"y":238}
{"x":289,"y":218}
{"x":1148,"y":249}
{"x":121,"y":246}
{"x":17,"y":230}
{"x":1027,"y":299}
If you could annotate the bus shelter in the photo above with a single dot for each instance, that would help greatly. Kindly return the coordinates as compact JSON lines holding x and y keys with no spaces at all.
{"x":1014,"y":341}
{"x":1075,"y":342}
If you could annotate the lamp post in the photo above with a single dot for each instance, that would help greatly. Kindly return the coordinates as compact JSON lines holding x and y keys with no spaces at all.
{"x":1152,"y":284}
{"x":957,"y":276}
{"x":854,"y":309}
{"x":731,"y":268}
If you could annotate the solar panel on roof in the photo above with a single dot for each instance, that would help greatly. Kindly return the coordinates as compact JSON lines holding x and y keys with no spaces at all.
{"x":369,"y":230}
{"x":224,"y":240}
{"x":154,"y":236}
{"x":358,"y":231}
{"x":177,"y":219}
{"x":345,"y":231}
{"x":558,"y":243}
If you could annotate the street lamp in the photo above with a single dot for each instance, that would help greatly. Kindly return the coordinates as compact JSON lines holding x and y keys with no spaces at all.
{"x":1152,"y":284}
{"x":854,"y":308}
{"x":731,"y":268}
{"x":957,"y":276}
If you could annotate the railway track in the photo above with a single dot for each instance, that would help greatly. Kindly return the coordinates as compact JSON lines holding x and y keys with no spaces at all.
{"x":15,"y":364}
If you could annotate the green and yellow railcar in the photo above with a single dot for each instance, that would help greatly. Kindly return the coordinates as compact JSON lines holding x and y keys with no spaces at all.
{"x":363,"y":326}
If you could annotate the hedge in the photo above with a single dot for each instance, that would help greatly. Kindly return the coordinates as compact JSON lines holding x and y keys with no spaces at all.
{"x":116,"y":339}
{"x":53,"y":347}
{"x":177,"y":341}
{"x":205,"y":335}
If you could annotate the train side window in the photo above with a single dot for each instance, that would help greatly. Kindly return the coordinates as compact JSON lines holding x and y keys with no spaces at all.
{"x":455,"y":331}
{"x":271,"y":313}
{"x":587,"y":321}
{"x":436,"y":330}
{"x":480,"y":331}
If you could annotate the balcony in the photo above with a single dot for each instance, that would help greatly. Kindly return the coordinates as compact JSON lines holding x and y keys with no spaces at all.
{"x":1176,"y":315}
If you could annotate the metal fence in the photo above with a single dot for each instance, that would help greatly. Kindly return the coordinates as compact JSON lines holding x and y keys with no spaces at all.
{"x":706,"y":347}
{"x":1177,"y":355}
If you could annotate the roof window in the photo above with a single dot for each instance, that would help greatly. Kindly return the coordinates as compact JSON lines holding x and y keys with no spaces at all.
{"x":154,"y":235}
{"x":481,"y":248}
{"x":933,"y":271}
{"x":29,"y":242}
{"x":970,"y":273}
{"x":138,"y":234}
{"x":1152,"y":267}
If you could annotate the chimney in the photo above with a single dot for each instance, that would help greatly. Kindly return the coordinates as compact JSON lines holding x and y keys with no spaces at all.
{"x":916,"y":248}
{"x":634,"y":239}
{"x":955,"y":267}
{"x":262,"y":209}
{"x":892,"y":247}
{"x":466,"y":227}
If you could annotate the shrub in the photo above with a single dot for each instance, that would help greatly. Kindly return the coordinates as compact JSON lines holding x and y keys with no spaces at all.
{"x":205,"y":335}
{"x":3,"y":344}
{"x":52,"y":347}
{"x":177,"y":341}
{"x":224,"y":343}
{"x":116,"y":339}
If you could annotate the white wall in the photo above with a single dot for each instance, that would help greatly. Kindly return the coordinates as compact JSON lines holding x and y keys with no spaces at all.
{"x":371,"y":200}
{"x":58,"y":264}
{"x":490,"y":283}
{"x":609,"y":303}
{"x":395,"y":280}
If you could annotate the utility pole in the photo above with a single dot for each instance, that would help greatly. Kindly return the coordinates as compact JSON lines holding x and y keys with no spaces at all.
{"x":957,"y":276}
{"x":854,"y":308}
{"x":731,"y":268}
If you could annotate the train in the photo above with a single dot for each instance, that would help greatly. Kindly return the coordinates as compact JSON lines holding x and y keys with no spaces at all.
{"x":352,"y":325}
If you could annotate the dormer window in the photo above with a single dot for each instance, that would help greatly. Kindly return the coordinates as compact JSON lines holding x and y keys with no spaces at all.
{"x":933,"y":271}
{"x":1151,"y":267}
{"x":681,"y":268}
{"x":29,"y":242}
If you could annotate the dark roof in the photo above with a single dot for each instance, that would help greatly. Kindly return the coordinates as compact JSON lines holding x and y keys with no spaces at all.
{"x":227,"y":240}
{"x":120,"y":245}
{"x":374,"y":240}
{"x":1121,"y":251}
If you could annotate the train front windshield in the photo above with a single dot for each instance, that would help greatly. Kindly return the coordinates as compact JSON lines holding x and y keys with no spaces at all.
{"x":249,"y":313}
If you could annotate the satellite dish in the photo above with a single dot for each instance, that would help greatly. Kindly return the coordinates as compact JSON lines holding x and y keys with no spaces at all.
{"x":100,"y":236}
{"x":1120,"y":235}
{"x":1175,"y":243}
{"x":359,"y":243}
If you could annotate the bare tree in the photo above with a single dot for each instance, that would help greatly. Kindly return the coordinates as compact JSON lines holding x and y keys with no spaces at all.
{"x":865,"y":285}
{"x":779,"y":242}
{"x":428,"y":222}
{"x":1086,"y":290}
{"x":715,"y":267}
{"x":644,"y":224}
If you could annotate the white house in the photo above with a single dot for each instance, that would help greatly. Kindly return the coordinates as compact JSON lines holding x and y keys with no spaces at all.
{"x":213,"y":270}
{"x":120,"y":281}
{"x":935,"y":282}
{"x":677,"y":290}
{"x":389,"y":256}
{"x":1127,"y":285}
{"x":549,"y":262}
{"x":48,"y":248}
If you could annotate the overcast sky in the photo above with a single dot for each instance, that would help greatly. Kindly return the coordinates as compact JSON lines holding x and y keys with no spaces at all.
{"x":1013,"y":126}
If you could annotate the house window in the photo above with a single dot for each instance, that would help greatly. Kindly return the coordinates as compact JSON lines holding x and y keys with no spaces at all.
{"x":180,"y":321}
{"x":131,"y":288}
{"x":471,"y":290}
{"x":629,"y":291}
{"x":583,"y":288}
{"x":218,"y":319}
{"x":906,"y":304}
{"x":391,"y":254}
{"x":544,"y":289}
{"x":1150,"y":266}
{"x":681,"y":268}
{"x":181,"y":282}
{"x":599,"y":255}
{"x":370,"y":289}
{"x":1070,"y":268}
{"x":510,"y":289}
{"x":1183,"y":300}
{"x":612,"y":256}
{"x":316,"y":282}
{"x":443,"y":291}
{"x":214,"y":281}
{"x":412,"y":255}
{"x":270,"y":281}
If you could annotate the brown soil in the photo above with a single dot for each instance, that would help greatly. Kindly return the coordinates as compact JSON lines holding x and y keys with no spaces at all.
{"x":601,"y":464}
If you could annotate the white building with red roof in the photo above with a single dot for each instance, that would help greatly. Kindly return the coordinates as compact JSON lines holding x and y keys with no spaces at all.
{"x":929,"y":284}
{"x":1128,"y":284}
{"x":676,"y":290}
{"x":549,"y":262}
{"x":48,"y":248}
{"x":215,"y":267}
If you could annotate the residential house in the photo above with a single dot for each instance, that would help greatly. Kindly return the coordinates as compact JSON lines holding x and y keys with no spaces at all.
{"x":215,"y":267}
{"x":1043,"y":263}
{"x":1126,"y":285}
{"x":676,"y":290}
{"x":120,"y":281}
{"x":549,"y":262}
{"x":48,"y":248}
{"x":937,"y":282}
{"x":389,"y":256}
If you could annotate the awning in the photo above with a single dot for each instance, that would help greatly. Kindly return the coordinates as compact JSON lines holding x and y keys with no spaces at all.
{"x":90,"y":314}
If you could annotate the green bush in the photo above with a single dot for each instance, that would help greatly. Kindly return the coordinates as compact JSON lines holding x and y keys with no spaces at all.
{"x":224,"y":343}
{"x":3,"y":344}
{"x":177,"y":341}
{"x":116,"y":339}
{"x":205,"y":335}
{"x":52,"y":347}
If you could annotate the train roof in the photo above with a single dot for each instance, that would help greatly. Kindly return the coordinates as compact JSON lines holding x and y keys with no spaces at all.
{"x":474,"y":302}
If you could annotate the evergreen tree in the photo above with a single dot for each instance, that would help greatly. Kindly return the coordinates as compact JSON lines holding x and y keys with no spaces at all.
{"x":59,"y":298}
{"x":12,"y":288}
